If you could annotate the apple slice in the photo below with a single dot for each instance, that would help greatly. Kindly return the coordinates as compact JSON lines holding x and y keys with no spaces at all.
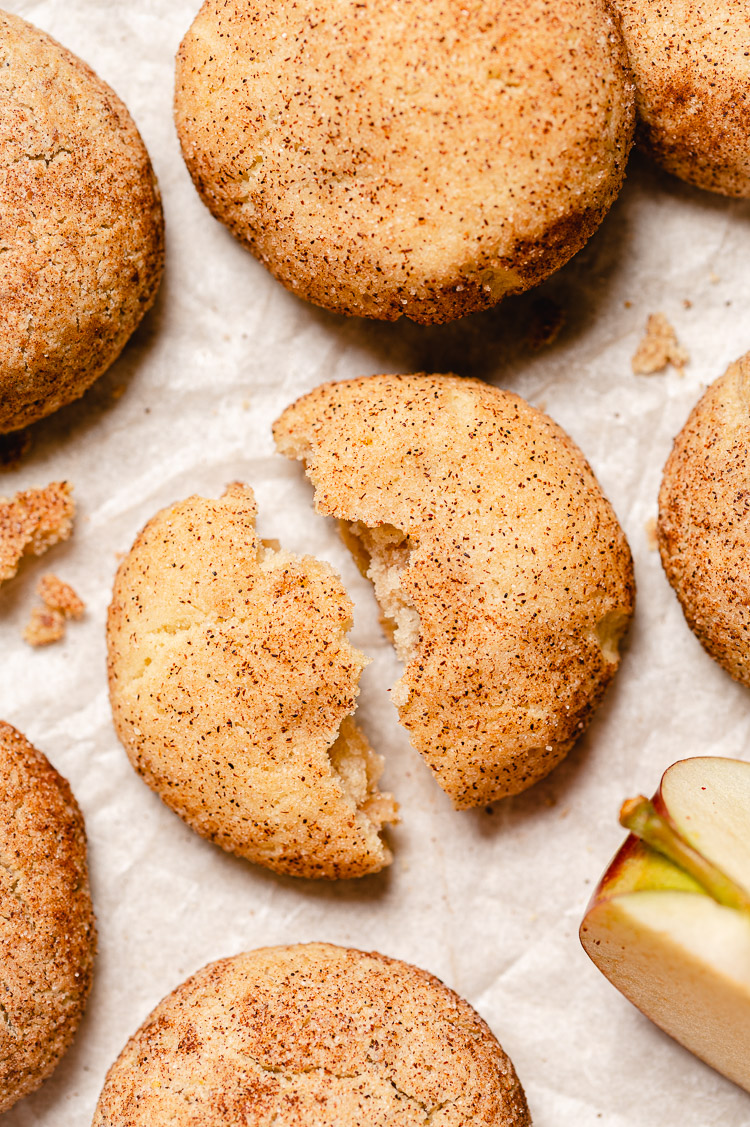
{"x":669,"y":923}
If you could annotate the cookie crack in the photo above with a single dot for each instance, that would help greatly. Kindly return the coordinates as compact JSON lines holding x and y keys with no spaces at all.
{"x":383,"y":555}
{"x":326,"y":1074}
{"x":47,"y":158}
{"x":8,"y":1022}
{"x":361,"y":1074}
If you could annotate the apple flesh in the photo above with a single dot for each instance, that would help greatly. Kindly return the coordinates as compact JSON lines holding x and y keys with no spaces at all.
{"x":669,"y":923}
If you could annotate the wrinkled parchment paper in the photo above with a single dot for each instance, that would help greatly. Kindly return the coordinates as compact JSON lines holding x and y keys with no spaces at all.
{"x":488,"y":900}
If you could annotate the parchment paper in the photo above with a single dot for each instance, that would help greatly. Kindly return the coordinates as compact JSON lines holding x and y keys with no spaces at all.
{"x":489,"y":900}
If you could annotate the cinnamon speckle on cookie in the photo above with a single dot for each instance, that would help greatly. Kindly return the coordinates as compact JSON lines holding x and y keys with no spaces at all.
{"x":312,"y":1034}
{"x":81,"y":225}
{"x":47,"y":931}
{"x":232,"y":685}
{"x":418,"y":159}
{"x":501,"y":571}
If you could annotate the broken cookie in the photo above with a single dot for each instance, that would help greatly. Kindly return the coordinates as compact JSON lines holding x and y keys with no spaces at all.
{"x":47,"y":623}
{"x":33,"y":521}
{"x":502,"y":574}
{"x":232,"y":685}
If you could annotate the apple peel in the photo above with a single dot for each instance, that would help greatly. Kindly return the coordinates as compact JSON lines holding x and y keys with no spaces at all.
{"x":669,"y":923}
{"x":640,"y":816}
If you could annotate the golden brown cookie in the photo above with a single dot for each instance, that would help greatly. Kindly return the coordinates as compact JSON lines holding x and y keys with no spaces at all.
{"x":423,"y":158}
{"x":81,"y":225}
{"x":704,"y":520}
{"x":499,"y":566}
{"x":47,"y":931}
{"x":232,"y":685}
{"x":32,"y":521}
{"x":312,"y":1034}
{"x":691,"y":68}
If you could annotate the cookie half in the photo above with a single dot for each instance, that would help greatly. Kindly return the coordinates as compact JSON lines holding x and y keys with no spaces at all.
{"x":500,"y":568}
{"x":691,"y":68}
{"x":704,"y":520}
{"x":312,"y":1034}
{"x":232,"y":685}
{"x":81,"y":225}
{"x":423,"y":158}
{"x":47,"y":930}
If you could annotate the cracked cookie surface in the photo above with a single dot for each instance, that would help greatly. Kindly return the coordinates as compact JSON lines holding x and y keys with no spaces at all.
{"x":312,"y":1034}
{"x":502,"y":573}
{"x":47,"y":931}
{"x":232,"y":685}
{"x":81,"y":228}
{"x":418,"y":159}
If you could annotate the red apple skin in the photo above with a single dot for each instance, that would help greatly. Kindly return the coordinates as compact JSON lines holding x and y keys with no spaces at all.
{"x":637,"y":867}
{"x":704,"y":1006}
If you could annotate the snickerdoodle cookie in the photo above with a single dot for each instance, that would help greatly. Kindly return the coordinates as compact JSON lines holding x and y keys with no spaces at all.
{"x":47,"y":932}
{"x":312,"y":1034}
{"x":691,"y":68}
{"x":232,"y":685}
{"x":32,"y":521}
{"x":499,"y":566}
{"x":704,"y":520}
{"x":422,"y":158}
{"x":81,"y":227}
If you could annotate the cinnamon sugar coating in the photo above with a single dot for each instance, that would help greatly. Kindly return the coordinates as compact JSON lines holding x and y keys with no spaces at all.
{"x":58,"y":595}
{"x":312,"y":1034}
{"x":47,"y":930}
{"x":423,"y":158}
{"x":81,"y":226}
{"x":704,"y":519}
{"x":32,"y":521}
{"x":499,"y":565}
{"x":691,"y":68}
{"x":232,"y":685}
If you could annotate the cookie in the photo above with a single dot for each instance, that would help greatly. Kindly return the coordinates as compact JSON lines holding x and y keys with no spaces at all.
{"x":499,"y":566}
{"x":81,"y":225}
{"x":691,"y":68}
{"x":423,"y":158}
{"x":32,"y":521}
{"x":704,"y":520}
{"x":47,"y":931}
{"x":312,"y":1034}
{"x":232,"y":686}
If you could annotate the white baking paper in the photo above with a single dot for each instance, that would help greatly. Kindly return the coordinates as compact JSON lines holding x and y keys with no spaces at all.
{"x":488,"y":900}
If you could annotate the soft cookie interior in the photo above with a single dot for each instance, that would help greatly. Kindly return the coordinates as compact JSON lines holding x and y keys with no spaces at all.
{"x":502,"y":574}
{"x":382,"y":554}
{"x":233,"y":682}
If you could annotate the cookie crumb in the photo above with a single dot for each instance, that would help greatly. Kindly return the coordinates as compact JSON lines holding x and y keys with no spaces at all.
{"x":45,"y":626}
{"x":58,"y":595}
{"x":31,"y":522}
{"x":659,"y":348}
{"x":651,"y":537}
{"x":47,"y":623}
